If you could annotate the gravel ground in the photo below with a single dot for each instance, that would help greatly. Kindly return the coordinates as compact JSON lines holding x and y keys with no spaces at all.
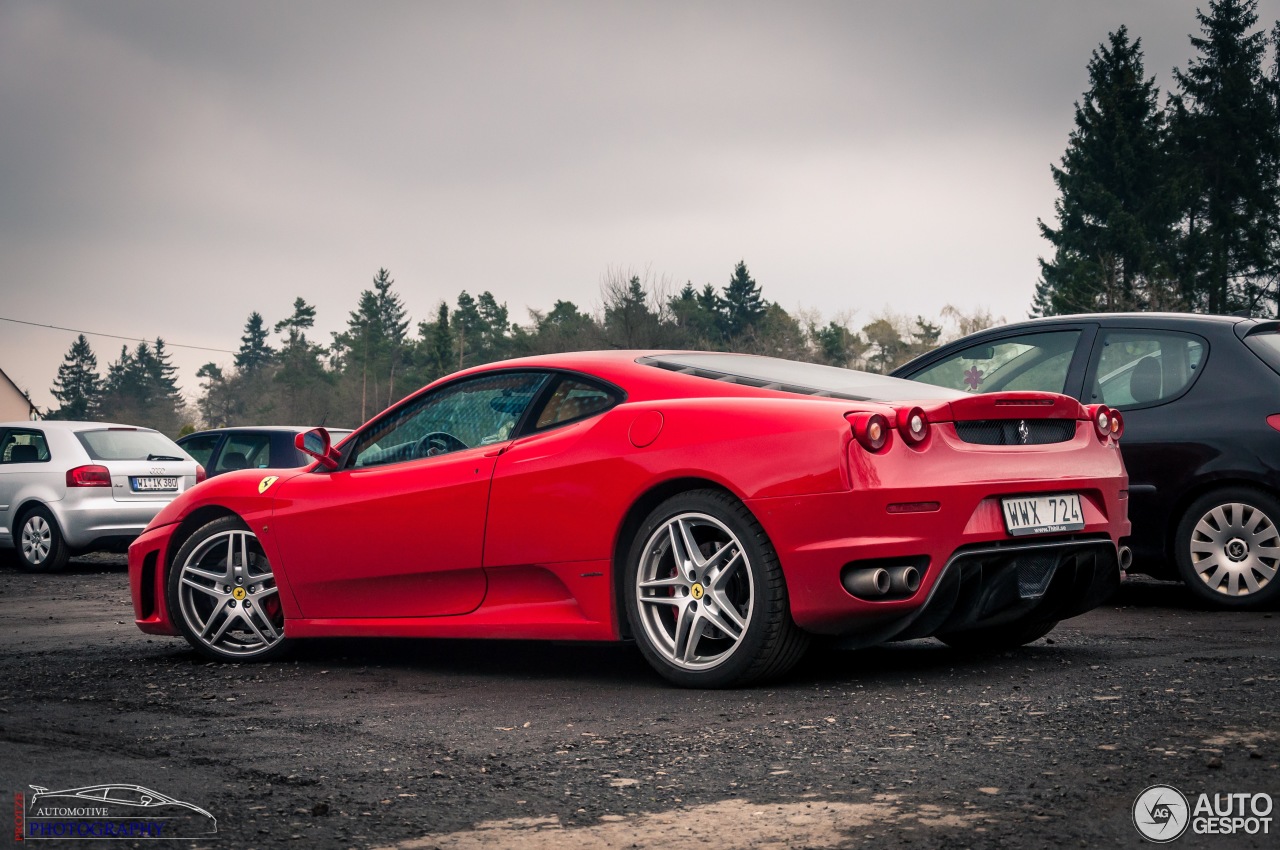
{"x":460,"y":744}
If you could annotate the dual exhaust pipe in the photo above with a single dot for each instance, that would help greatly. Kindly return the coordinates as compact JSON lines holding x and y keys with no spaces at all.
{"x":874,"y":582}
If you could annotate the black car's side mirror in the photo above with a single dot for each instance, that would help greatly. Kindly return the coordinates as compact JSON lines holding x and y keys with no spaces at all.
{"x":316,"y":444}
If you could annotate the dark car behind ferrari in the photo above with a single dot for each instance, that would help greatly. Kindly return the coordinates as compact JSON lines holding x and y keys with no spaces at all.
{"x":1200,"y":396}
{"x":221,"y":450}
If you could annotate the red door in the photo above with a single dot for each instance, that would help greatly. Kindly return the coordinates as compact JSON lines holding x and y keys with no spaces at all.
{"x":402,"y":540}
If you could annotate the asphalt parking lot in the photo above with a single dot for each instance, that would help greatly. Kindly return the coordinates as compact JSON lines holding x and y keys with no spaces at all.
{"x":468,"y":744}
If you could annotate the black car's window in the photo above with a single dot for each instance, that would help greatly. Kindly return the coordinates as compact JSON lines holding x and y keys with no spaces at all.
{"x":22,"y":446}
{"x":1038,"y":361}
{"x":1138,"y":368}
{"x":575,"y":399}
{"x":245,"y":451}
{"x":1267,"y":346}
{"x":200,"y":447}
{"x":474,"y":412}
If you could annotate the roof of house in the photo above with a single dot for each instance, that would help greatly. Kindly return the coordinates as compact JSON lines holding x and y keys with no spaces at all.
{"x":18,"y":390}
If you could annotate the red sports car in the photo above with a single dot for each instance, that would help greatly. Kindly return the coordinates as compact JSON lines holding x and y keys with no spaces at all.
{"x":718,"y":509}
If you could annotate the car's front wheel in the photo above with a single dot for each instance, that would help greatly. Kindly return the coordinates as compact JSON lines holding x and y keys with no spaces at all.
{"x":1228,"y":548}
{"x":706,"y":598}
{"x":41,"y":547}
{"x":222,"y":594}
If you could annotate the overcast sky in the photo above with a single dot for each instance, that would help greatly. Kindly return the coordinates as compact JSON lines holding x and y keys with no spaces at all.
{"x":167,"y":167}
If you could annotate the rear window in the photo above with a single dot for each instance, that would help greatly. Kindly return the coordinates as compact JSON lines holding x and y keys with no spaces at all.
{"x":792,"y":376}
{"x":129,"y":444}
{"x":1266,"y":346}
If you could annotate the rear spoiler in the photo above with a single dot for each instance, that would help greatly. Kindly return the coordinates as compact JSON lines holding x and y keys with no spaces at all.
{"x":1010,"y":405}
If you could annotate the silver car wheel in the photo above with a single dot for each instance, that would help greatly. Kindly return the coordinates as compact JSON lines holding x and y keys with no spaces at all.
{"x":37,"y":539}
{"x":695,"y":591}
{"x":228,"y":595}
{"x":1235,"y":549}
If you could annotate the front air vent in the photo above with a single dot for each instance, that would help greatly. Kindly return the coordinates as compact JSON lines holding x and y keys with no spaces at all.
{"x":1016,"y":432}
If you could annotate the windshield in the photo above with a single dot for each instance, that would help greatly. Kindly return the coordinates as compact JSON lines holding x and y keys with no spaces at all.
{"x":129,"y":444}
{"x":792,"y":376}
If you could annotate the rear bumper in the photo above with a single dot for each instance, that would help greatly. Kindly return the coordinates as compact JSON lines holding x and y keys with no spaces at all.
{"x":86,"y":520}
{"x":970,"y":566}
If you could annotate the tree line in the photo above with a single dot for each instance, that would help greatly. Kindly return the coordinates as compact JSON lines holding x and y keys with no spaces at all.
{"x":1172,"y":205}
{"x":280,"y":374}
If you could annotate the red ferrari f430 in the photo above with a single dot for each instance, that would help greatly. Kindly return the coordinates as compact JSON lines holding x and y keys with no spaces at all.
{"x":717,"y":509}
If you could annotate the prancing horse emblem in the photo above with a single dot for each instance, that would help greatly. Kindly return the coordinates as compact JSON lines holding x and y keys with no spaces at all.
{"x":1024,"y":433}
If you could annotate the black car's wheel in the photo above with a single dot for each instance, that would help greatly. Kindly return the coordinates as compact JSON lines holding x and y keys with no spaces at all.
{"x":222,"y":594}
{"x":1228,"y":547}
{"x":705,"y":594}
{"x":40,"y":545}
{"x":1001,"y":637}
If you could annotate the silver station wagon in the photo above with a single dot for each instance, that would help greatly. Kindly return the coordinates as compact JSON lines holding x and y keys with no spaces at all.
{"x":73,"y":487}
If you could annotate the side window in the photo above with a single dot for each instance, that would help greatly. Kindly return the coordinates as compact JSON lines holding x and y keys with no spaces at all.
{"x":1038,"y":361}
{"x":474,"y":412}
{"x":245,"y":451}
{"x":575,"y":399}
{"x":22,"y":446}
{"x":1139,"y":368}
{"x":201,"y":447}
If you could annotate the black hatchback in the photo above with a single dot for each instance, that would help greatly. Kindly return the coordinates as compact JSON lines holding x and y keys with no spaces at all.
{"x":221,"y":450}
{"x":1200,"y":396}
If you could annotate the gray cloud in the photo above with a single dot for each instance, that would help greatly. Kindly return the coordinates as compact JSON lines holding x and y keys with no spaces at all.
{"x":167,"y":167}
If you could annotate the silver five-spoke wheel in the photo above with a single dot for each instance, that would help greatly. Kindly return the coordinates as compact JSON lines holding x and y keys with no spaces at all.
{"x":706,"y":598}
{"x":227,"y":601}
{"x":1228,"y":547}
{"x":695,"y":590}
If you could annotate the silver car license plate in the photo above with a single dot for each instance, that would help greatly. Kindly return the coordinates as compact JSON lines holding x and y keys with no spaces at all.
{"x":153,"y":484}
{"x":1025,"y":515}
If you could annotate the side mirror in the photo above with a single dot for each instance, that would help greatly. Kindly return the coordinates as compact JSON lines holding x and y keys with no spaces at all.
{"x":315,"y":443}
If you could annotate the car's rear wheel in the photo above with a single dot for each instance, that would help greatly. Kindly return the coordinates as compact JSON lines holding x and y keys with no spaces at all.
{"x":1228,"y":548}
{"x":41,"y":547}
{"x":1001,"y":637}
{"x":222,"y":594}
{"x":705,"y":594}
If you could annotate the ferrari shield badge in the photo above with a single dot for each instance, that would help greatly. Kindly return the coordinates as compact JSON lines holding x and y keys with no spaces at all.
{"x":267,"y":482}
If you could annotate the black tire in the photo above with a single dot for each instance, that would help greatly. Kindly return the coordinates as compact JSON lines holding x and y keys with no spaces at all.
{"x":215,"y":591}
{"x":38,"y":542}
{"x":1227,"y":539}
{"x":999,"y":638}
{"x":748,"y":576}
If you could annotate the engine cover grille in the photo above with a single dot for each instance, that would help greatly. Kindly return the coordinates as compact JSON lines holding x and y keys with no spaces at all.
{"x":1016,"y":432}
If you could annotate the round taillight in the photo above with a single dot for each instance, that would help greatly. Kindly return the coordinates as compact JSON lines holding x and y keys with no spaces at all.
{"x":871,"y":430}
{"x":1101,"y":416}
{"x":1117,"y":424}
{"x":914,"y":426}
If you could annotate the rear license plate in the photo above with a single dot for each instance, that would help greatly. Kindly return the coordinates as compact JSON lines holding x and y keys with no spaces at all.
{"x":1042,"y":514}
{"x":153,"y":484}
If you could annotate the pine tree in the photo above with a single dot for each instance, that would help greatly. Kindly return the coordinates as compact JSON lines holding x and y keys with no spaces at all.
{"x":1227,"y":134}
{"x":1116,"y":211}
{"x":295,"y":326}
{"x":743,"y":303}
{"x":78,"y":387}
{"x":442,"y":341}
{"x":254,"y":352}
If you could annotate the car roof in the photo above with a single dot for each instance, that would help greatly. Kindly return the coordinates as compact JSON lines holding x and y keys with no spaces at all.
{"x":275,"y":429}
{"x":1166,"y":319}
{"x":70,"y":425}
